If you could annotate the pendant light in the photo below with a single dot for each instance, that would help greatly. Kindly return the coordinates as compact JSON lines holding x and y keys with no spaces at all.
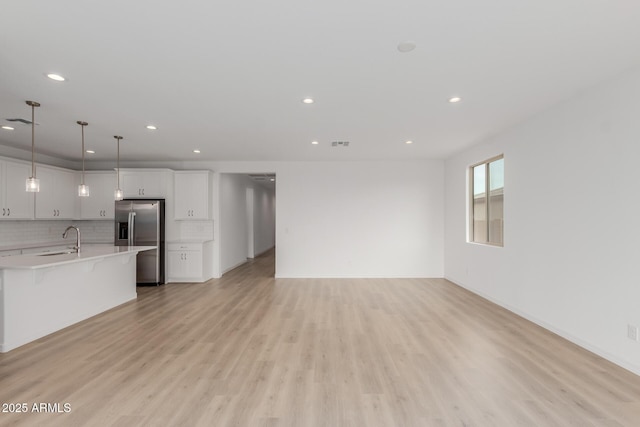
{"x":33,"y":183}
{"x":119,"y":195}
{"x":83,"y":190}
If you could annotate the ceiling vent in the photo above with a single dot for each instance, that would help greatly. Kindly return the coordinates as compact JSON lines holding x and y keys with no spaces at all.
{"x":25,"y":121}
{"x":340,"y":144}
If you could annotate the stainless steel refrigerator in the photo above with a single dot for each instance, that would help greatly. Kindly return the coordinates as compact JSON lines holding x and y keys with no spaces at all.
{"x":141,"y":223}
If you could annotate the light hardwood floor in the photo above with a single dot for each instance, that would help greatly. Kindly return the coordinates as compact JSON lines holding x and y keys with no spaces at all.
{"x":251,"y":350}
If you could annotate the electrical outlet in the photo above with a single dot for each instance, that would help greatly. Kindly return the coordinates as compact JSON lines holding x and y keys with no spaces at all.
{"x":632,"y":332}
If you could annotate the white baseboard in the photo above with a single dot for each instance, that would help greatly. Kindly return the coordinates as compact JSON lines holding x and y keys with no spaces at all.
{"x":263,"y":252}
{"x":235,"y":266}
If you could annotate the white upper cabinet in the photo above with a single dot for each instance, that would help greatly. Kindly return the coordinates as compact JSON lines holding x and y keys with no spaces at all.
{"x":100,"y":203}
{"x":15,"y":202}
{"x":139,"y":183}
{"x":57,"y":198}
{"x":191,"y":193}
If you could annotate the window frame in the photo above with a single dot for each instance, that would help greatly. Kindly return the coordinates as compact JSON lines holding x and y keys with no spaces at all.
{"x":470,"y":210}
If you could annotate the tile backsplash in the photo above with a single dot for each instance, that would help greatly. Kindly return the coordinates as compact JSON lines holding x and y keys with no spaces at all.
{"x":195,"y":230}
{"x":16,"y":233}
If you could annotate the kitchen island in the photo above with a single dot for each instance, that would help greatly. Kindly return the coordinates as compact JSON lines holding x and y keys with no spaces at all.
{"x":41,"y":294}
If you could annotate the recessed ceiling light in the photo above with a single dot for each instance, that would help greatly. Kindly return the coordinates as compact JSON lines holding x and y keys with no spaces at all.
{"x":408,"y":142}
{"x":91,"y":152}
{"x":272,"y":180}
{"x":308,"y":100}
{"x":7,"y":128}
{"x":455,"y":99}
{"x":151,"y":127}
{"x":406,"y":46}
{"x":56,"y":77}
{"x":314,"y":142}
{"x":196,"y":151}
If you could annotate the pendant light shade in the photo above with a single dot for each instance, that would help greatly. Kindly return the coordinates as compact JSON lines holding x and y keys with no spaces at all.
{"x":118,"y":193}
{"x":83,"y":190}
{"x":33,"y":183}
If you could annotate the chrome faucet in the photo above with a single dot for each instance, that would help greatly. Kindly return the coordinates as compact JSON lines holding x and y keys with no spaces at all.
{"x":64,"y":236}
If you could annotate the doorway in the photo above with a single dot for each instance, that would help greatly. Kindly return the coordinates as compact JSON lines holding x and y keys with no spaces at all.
{"x":247,"y":217}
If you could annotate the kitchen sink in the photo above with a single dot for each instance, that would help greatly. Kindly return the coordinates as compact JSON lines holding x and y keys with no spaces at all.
{"x":58,"y":253}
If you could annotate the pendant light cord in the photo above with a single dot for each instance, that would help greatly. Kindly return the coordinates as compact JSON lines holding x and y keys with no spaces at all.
{"x":82,"y":154}
{"x":118,"y":165}
{"x":118,"y":138}
{"x":82,"y":125}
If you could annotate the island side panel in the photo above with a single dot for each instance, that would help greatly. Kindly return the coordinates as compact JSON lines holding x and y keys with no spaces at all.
{"x":2,"y":310}
{"x":37,"y":302}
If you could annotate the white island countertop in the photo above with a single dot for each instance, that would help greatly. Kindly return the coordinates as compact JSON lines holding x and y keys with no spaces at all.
{"x":51,"y":259}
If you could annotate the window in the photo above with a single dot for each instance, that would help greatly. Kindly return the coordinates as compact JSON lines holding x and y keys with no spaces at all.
{"x":486,"y":207}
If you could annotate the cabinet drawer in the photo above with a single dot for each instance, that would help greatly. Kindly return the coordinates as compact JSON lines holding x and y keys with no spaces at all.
{"x":184,"y":246}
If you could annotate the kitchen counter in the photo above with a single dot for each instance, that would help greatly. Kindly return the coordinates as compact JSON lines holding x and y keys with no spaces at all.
{"x":34,"y":261}
{"x":40,"y":295}
{"x":32,"y":248}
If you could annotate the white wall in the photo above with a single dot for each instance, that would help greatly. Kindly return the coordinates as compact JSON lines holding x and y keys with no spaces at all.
{"x":360,"y":219}
{"x":264,"y":219}
{"x":233,"y":226}
{"x":571,"y":254}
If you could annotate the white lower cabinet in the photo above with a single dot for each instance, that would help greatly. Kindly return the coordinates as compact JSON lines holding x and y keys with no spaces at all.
{"x":189,"y":262}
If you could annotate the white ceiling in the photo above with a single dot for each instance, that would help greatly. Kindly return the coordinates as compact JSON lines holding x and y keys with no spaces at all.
{"x":228,"y":77}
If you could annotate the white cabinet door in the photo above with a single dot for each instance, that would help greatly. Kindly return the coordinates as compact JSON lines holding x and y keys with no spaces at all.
{"x":176,"y":266}
{"x":184,"y":262}
{"x":185,"y":266}
{"x":100,"y":204}
{"x":132,"y":183}
{"x":191,"y":192}
{"x":15,"y":201}
{"x":46,"y":206}
{"x":193,"y":264}
{"x":58,"y":194}
{"x":143,"y":184}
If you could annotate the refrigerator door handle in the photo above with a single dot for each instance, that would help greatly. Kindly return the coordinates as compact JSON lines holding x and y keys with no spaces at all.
{"x":132,"y":227}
